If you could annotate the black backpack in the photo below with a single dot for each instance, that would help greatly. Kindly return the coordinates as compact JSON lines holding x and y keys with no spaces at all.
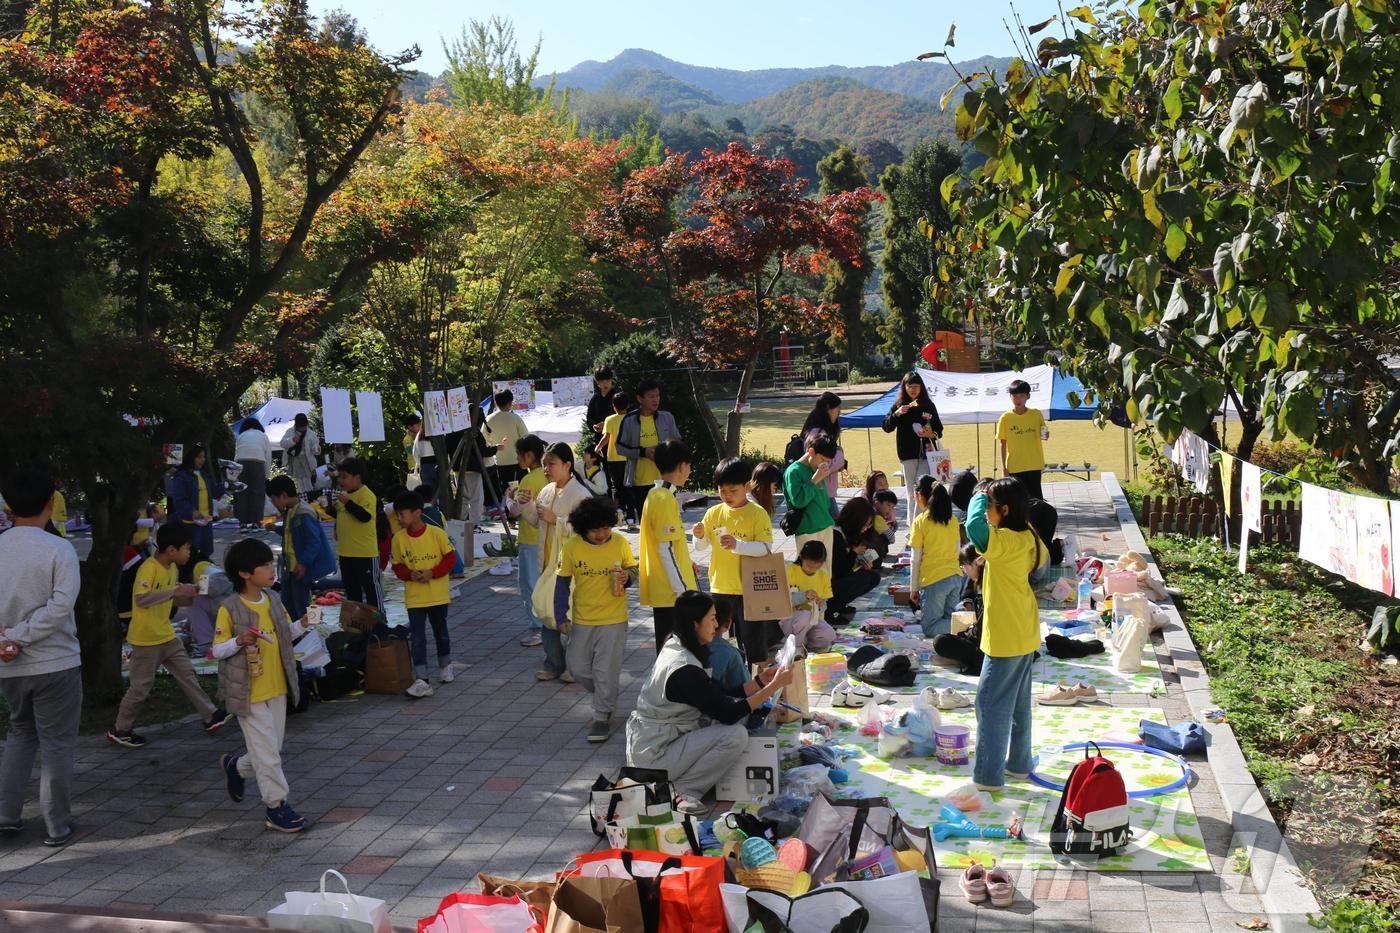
{"x":793,"y":451}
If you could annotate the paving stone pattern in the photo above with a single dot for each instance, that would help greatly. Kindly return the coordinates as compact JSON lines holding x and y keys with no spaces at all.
{"x":410,"y":799}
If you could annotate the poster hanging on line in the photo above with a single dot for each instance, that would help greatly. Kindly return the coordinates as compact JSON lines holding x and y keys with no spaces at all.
{"x":370,"y":409}
{"x":1374,"y":569}
{"x":436,"y":420}
{"x":336,"y":424}
{"x":1250,"y":496}
{"x":1328,"y":536}
{"x":1227,"y":481}
{"x":1394,"y":540}
{"x":522,"y":389}
{"x":572,"y":391}
{"x":459,"y":414}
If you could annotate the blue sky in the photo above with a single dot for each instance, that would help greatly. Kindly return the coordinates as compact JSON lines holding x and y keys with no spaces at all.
{"x":720,"y":33}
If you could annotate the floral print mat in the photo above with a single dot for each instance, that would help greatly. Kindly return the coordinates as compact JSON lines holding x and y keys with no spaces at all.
{"x":1166,"y":833}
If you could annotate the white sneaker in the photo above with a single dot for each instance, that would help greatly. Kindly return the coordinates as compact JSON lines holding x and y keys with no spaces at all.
{"x":533,"y":640}
{"x":566,"y":677}
{"x":446,"y":676}
{"x":420,"y":689}
{"x":692,"y":805}
{"x":948,"y":698}
{"x":856,"y":694}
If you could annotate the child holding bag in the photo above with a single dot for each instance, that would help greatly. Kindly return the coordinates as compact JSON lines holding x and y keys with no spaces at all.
{"x":811,"y":588}
{"x":998,"y":525}
{"x":934,"y":539}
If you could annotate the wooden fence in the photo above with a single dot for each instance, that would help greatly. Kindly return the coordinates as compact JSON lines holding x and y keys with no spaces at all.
{"x":1199,"y":517}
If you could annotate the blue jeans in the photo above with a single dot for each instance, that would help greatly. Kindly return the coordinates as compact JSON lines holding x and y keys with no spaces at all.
{"x":296,"y":595}
{"x":1003,"y":719}
{"x":553,"y":650}
{"x":528,"y":574}
{"x":936,"y":604}
{"x":418,"y":620}
{"x":202,"y":539}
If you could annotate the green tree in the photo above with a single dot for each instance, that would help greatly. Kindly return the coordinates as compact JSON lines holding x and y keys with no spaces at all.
{"x":844,"y":284}
{"x":485,"y":66}
{"x":913,"y":212}
{"x":1194,"y":203}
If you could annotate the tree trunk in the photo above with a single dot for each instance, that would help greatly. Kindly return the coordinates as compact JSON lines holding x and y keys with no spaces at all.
{"x":733,"y":432}
{"x":1250,"y":432}
{"x":702,"y":404}
{"x":112,"y":510}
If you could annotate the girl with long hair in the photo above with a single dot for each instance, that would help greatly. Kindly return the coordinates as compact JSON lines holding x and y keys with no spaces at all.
{"x":914,"y":421}
{"x":934,"y":539}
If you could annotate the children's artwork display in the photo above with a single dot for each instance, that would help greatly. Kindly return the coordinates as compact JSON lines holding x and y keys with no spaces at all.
{"x":1394,"y":541}
{"x":1375,"y":568}
{"x":459,"y":413}
{"x":571,"y":391}
{"x":436,"y":420}
{"x":370,"y":409}
{"x":1328,"y":536}
{"x":522,"y":389}
{"x":1250,"y":495}
{"x":336,"y":424}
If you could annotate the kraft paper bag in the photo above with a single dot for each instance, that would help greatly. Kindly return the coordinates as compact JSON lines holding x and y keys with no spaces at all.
{"x":595,"y":905}
{"x":796,"y":694}
{"x":766,"y":595}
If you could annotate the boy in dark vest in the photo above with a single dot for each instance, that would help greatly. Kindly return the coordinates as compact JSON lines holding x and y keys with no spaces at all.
{"x":253,"y":638}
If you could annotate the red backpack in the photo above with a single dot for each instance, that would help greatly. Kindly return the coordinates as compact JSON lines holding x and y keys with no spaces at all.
{"x":1092,"y":818}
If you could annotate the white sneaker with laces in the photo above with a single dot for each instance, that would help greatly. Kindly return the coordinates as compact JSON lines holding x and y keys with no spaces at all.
{"x":692,"y":805}
{"x":446,"y":675}
{"x":420,"y":689}
{"x":532,"y":640}
{"x":948,"y":698}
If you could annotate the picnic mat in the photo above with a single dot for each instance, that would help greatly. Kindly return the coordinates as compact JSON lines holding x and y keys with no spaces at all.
{"x":1166,"y":833}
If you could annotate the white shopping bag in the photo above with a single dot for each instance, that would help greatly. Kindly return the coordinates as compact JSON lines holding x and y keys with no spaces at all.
{"x":330,"y":912}
{"x":940,"y":464}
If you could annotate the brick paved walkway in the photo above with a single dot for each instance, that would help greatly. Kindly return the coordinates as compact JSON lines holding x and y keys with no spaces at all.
{"x":412,"y":799}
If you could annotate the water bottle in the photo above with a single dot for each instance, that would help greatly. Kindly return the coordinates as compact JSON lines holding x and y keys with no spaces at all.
{"x":1086,"y":593}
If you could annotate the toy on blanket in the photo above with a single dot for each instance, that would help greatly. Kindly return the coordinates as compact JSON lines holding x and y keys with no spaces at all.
{"x":956,"y":824}
{"x":879,"y":625}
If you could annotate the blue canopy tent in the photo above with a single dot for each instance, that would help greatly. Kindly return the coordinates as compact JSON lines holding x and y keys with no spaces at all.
{"x":872,"y":414}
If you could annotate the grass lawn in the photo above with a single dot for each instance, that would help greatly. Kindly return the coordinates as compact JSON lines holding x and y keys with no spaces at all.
{"x":1315,"y":716}
{"x":165,"y":703}
{"x":771,"y":424}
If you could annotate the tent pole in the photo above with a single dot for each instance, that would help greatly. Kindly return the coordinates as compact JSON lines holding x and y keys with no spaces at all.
{"x":869,"y":453}
{"x":979,"y":448}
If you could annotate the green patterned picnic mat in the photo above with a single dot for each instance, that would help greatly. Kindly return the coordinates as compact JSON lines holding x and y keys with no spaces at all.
{"x":1166,"y":833}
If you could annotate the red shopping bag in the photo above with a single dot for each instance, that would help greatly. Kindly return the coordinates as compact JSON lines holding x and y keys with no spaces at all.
{"x":481,"y":913}
{"x":680,"y":893}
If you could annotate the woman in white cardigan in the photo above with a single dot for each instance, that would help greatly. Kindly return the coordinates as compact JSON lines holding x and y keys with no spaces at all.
{"x":254,"y":454}
{"x":550,"y":510}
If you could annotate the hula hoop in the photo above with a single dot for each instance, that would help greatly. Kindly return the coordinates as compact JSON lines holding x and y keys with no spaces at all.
{"x":1178,"y":784}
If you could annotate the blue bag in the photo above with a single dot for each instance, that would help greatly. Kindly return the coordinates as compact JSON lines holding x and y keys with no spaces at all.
{"x":1184,"y":738}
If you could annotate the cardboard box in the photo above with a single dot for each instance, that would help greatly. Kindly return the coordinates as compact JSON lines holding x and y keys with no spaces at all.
{"x":755,"y":774}
{"x":900,"y":594}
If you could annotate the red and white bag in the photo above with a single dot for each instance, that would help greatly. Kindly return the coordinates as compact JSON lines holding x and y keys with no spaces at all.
{"x":1092,"y":818}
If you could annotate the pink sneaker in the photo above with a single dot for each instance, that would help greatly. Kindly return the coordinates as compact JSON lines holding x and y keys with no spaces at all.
{"x":1001,"y":887}
{"x":974,"y":883}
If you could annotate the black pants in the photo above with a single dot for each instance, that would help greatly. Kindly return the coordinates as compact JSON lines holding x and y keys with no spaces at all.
{"x":617,"y":476}
{"x":846,"y":590}
{"x":360,"y":577}
{"x":664,"y":621}
{"x":1031,"y":480}
{"x":637,"y":497}
{"x":753,"y":636}
{"x":962,"y":649}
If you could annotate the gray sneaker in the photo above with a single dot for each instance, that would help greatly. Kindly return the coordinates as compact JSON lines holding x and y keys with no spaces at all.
{"x":420,"y":689}
{"x":600,"y":731}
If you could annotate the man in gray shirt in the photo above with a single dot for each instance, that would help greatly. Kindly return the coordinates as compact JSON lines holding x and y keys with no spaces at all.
{"x":40,"y":664}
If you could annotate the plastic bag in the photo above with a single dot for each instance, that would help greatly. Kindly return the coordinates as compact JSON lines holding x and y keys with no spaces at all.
{"x":805,"y":781}
{"x":894,"y":741}
{"x":871,"y":719}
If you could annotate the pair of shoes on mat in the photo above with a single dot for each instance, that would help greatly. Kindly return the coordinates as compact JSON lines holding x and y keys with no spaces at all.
{"x":853,"y":693}
{"x":1060,"y":695}
{"x":979,"y":884}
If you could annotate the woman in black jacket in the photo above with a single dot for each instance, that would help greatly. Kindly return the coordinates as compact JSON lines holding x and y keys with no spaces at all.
{"x":914,"y":420}
{"x":851,"y":577}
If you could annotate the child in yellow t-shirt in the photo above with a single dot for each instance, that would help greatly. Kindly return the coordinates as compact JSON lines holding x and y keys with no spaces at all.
{"x":998,"y":524}
{"x":423,"y":557}
{"x":595,"y":569}
{"x":356,"y":534}
{"x":529,"y":451}
{"x":1022,"y":434}
{"x":666,"y":570}
{"x":257,"y":678}
{"x":614,"y":463}
{"x":811,"y":588}
{"x":935,"y":538}
{"x":154,"y":643}
{"x":737,"y":527}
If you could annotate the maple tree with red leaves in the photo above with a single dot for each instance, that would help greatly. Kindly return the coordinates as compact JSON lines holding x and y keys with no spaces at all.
{"x":721,"y":241}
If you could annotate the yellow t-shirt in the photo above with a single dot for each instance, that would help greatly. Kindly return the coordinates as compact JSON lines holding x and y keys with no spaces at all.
{"x":203,"y":498}
{"x":151,"y":625}
{"x":423,"y":552}
{"x":661,"y":522}
{"x":610,"y":424}
{"x":748,"y":523}
{"x":939,"y":545}
{"x":881,"y":526}
{"x":590,"y":566}
{"x":819,"y":583}
{"x":60,"y":513}
{"x":272,"y":682}
{"x":1010,"y":614}
{"x":647,"y":473}
{"x":534,"y":481}
{"x":1024,"y":451}
{"x":140,"y":536}
{"x":354,"y":538}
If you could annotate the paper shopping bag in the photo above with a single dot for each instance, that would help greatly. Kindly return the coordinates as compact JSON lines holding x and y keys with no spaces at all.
{"x":663,"y":830}
{"x":766,"y":594}
{"x":678,"y":894}
{"x":330,"y":912}
{"x":595,"y":905}
{"x":795,"y":694}
{"x":940,"y":465}
{"x":358,"y":618}
{"x":388,"y":668}
{"x":633,"y":791}
{"x":535,"y":893}
{"x":481,"y":913}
